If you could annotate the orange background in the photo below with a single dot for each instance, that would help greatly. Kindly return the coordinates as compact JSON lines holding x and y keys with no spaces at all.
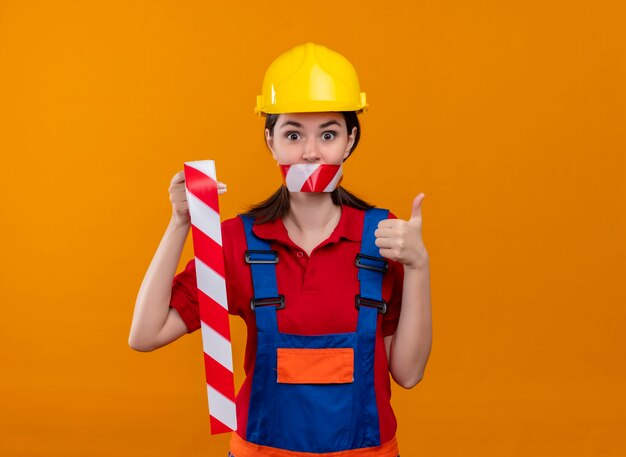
{"x":509,"y":116}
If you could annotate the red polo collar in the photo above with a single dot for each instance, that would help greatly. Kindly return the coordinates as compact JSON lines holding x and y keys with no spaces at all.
{"x":350,"y":227}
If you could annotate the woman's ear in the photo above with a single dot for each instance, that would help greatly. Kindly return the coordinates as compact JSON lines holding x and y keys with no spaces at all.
{"x":351,"y":139}
{"x":269,"y":140}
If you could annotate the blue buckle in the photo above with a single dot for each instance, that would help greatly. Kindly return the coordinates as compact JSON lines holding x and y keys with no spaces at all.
{"x":280,"y":301}
{"x":383,"y":269}
{"x":380,"y":305}
{"x":261,"y":253}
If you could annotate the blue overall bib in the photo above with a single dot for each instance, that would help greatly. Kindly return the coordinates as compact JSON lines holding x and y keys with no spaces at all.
{"x":315,"y":417}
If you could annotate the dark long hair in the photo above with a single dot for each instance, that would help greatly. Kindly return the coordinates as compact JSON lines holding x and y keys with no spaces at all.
{"x":277,"y":205}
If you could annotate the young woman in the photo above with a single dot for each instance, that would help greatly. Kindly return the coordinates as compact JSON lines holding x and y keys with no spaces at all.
{"x":335,"y":293}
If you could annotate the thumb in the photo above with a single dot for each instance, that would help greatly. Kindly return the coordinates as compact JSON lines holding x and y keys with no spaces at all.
{"x":416,"y":212}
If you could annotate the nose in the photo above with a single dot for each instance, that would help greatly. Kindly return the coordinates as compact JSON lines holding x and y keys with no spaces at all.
{"x":311,"y":152}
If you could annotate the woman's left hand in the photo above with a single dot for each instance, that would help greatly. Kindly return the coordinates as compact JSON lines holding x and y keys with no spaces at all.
{"x":401,"y":240}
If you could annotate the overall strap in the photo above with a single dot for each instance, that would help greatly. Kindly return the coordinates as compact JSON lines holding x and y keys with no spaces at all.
{"x":262,"y":260}
{"x":372,"y":267}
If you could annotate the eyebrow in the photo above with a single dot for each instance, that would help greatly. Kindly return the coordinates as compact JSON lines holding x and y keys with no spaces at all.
{"x":297,"y":124}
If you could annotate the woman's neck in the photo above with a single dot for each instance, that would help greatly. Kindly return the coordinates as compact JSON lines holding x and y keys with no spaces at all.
{"x":311,"y":213}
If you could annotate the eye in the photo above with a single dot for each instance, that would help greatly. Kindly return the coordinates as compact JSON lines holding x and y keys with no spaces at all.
{"x":329,"y":135}
{"x":293,"y":136}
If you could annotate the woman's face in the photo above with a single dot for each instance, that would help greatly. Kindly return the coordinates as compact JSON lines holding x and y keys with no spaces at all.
{"x":310,"y":138}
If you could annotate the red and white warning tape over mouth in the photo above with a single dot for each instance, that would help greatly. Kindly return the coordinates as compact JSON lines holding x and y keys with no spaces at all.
{"x":201,"y":187}
{"x":312,"y":177}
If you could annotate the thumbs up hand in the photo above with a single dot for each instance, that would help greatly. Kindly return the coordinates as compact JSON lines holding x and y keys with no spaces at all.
{"x":401,"y":240}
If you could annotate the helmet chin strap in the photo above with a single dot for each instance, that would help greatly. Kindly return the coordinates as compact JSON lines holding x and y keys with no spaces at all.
{"x":311,"y":177}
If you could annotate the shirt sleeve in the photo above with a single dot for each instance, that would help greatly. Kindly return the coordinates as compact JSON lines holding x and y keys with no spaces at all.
{"x":185,"y":296}
{"x":392,"y":316}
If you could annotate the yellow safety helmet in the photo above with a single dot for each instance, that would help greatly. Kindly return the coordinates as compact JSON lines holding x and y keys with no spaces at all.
{"x":310,"y":78}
